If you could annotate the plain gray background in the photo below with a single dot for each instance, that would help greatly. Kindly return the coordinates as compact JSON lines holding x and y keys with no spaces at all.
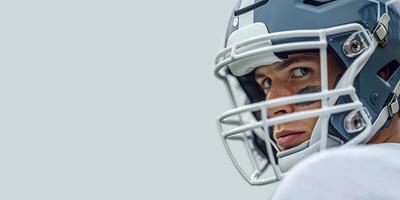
{"x":106,"y":99}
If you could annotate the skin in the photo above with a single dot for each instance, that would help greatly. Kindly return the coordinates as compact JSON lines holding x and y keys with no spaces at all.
{"x":300,"y":73}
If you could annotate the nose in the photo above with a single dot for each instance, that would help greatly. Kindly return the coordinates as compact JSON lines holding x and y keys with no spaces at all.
{"x":278,"y":90}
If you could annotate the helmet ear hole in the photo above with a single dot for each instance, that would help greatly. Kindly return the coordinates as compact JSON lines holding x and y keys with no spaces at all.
{"x":386,"y":72}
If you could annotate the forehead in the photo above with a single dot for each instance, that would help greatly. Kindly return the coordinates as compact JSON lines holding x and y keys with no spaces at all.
{"x":292,"y":59}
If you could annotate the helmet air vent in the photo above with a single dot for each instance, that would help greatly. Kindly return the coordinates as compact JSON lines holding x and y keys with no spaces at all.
{"x":386,"y":72}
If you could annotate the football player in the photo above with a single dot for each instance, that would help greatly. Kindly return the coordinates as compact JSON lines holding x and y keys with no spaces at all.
{"x":320,"y":78}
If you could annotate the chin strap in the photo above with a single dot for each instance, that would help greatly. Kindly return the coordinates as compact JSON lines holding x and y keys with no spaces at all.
{"x":392,"y":106}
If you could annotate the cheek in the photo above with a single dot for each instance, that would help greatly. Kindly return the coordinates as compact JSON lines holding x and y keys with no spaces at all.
{"x":332,"y":80}
{"x":301,"y":84}
{"x":314,"y":81}
{"x":311,"y":106}
{"x":309,"y":124}
{"x":334,"y":70}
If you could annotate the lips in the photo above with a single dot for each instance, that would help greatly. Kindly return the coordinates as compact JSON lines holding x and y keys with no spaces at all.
{"x":289,"y":138}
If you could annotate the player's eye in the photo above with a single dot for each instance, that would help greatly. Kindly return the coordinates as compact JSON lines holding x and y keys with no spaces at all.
{"x":266,"y":84}
{"x":300,"y":72}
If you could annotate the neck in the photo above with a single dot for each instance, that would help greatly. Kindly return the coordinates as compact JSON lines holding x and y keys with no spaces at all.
{"x":390,"y":134}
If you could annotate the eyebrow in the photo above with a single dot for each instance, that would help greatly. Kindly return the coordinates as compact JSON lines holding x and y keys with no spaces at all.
{"x":286,"y":64}
{"x":280,"y":67}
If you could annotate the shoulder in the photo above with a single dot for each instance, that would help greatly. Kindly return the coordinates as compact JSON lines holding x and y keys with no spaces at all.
{"x":354,"y":156}
{"x":347,"y":170}
{"x":339,"y":161}
{"x":343,"y":159}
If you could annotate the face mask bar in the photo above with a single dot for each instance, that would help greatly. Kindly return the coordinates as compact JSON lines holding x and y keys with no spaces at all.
{"x":243,"y":50}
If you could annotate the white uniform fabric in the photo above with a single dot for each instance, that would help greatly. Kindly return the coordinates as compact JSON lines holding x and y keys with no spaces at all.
{"x":367,"y":172}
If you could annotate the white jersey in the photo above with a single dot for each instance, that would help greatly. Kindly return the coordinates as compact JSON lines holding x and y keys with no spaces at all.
{"x":367,"y":172}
